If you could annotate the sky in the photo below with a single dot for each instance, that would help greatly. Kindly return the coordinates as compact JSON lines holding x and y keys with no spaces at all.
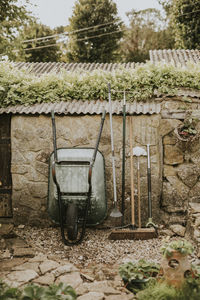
{"x":55,"y":13}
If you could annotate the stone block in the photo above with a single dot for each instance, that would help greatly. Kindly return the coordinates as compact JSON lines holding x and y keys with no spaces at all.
{"x":169,"y":140}
{"x":46,"y":279}
{"x":92,"y":296}
{"x":22,"y":276}
{"x":169,"y":171}
{"x":188,"y":173}
{"x":195,"y":157}
{"x":73,"y":279}
{"x":23,"y":252}
{"x":194,"y":207}
{"x":172,"y":155}
{"x":168,"y":125}
{"x":67,"y":268}
{"x":38,"y":190}
{"x":178,"y":229}
{"x":43,"y":156}
{"x":175,"y":193}
{"x":194,"y":192}
{"x":19,"y":169}
{"x":48,"y":265}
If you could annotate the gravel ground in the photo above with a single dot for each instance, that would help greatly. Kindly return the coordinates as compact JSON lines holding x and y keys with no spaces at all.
{"x":95,"y":249}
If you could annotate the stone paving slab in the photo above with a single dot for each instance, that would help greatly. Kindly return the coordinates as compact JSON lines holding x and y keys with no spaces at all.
{"x":44,"y":270}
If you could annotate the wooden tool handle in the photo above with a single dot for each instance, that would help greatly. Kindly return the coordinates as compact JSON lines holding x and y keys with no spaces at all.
{"x":132,"y":176}
{"x":139,"y":201}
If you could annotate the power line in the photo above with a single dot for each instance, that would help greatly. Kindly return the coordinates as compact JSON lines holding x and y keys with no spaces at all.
{"x":83,"y":39}
{"x":99,"y":35}
{"x":40,"y":47}
{"x":71,"y":32}
{"x":191,"y":12}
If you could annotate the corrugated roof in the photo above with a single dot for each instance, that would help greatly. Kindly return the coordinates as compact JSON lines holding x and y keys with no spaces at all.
{"x":175,"y":56}
{"x":43,"y":68}
{"x":85,"y":107}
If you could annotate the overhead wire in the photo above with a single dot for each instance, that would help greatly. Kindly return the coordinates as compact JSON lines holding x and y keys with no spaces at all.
{"x":71,"y":32}
{"x":82,"y":39}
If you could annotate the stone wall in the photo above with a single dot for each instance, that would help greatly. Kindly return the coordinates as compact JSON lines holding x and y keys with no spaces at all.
{"x":175,"y":168}
{"x":31,"y":138}
{"x":181,"y":169}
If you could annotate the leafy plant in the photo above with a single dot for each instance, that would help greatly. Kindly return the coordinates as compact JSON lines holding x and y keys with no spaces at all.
{"x":136,"y":275}
{"x":182,"y":246}
{"x":142,"y":83}
{"x":35,"y":292}
{"x":189,"y":127}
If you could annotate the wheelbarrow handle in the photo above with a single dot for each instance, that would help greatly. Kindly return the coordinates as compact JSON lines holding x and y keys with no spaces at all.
{"x":54,"y":135}
{"x":96,"y":147}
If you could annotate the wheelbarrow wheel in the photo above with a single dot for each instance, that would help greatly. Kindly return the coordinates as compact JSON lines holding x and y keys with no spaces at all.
{"x":72,"y":221}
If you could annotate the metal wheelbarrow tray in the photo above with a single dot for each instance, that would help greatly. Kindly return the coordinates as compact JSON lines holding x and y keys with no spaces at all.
{"x":72,"y":175}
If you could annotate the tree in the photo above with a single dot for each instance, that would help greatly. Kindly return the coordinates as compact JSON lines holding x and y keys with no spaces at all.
{"x":12,"y":17}
{"x":95,"y":31}
{"x":184,"y":18}
{"x":39,"y":44}
{"x":147,"y":31}
{"x":185,"y":15}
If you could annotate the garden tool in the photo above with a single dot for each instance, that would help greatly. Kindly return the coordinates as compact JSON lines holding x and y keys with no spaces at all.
{"x":115,"y":212}
{"x":150,"y":220}
{"x":138,"y":151}
{"x":132,"y":175}
{"x":123,"y":157}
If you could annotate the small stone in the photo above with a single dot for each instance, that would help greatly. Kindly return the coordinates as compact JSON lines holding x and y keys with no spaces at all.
{"x":39,"y":258}
{"x":48,"y":265}
{"x":21,"y":226}
{"x":194,"y":207}
{"x":87,"y":277}
{"x":92,"y":296}
{"x":178,"y":229}
{"x":120,"y":297}
{"x":73,"y":279}
{"x":27,"y":265}
{"x":64,"y":269}
{"x":22,"y":252}
{"x":47,"y":279}
{"x":99,"y":286}
{"x":22,"y":276}
{"x":81,"y":289}
{"x":166,"y":232}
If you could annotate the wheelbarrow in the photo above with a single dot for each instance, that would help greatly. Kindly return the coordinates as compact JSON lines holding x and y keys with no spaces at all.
{"x":76,"y":188}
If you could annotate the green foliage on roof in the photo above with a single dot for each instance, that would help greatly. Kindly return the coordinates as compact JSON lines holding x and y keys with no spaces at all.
{"x":21,"y":87}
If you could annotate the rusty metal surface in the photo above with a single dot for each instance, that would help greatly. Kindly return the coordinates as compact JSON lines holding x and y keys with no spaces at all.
{"x":177,"y":57}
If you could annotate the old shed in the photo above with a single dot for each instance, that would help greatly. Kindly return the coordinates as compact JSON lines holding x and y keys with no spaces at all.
{"x":26,"y":143}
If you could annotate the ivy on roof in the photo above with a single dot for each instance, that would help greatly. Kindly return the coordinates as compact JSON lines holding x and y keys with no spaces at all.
{"x":21,"y":87}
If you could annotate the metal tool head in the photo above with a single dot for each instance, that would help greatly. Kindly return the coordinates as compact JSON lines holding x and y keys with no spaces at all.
{"x":138,"y":151}
{"x":115,"y":213}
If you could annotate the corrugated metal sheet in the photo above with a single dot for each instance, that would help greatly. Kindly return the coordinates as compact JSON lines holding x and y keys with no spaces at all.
{"x":85,"y":107}
{"x":43,"y":68}
{"x":175,"y":56}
